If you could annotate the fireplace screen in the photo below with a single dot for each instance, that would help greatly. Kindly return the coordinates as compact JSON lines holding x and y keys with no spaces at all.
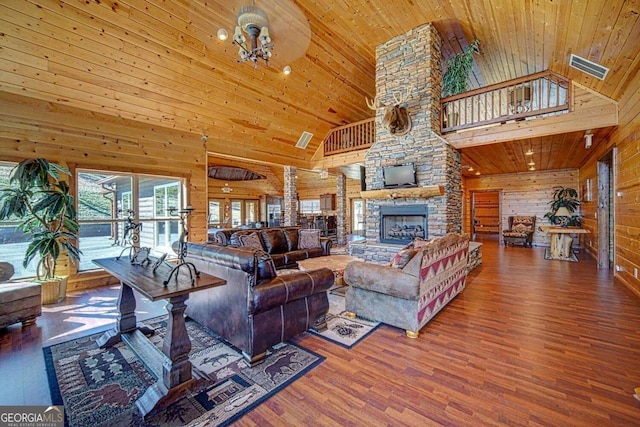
{"x":402,"y":224}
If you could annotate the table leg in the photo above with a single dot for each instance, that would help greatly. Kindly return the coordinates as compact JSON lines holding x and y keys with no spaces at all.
{"x":126,"y":321}
{"x":176,"y":371}
{"x":561,"y":245}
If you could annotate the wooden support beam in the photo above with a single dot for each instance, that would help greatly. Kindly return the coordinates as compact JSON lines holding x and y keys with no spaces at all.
{"x":405,"y":193}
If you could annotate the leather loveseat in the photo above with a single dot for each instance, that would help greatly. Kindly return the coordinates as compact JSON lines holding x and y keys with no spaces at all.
{"x":282,"y":243}
{"x":256,"y":309}
{"x":409,"y":295}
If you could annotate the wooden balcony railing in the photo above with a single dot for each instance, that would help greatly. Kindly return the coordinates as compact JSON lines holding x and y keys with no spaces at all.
{"x":351,"y":137}
{"x":534,"y":95}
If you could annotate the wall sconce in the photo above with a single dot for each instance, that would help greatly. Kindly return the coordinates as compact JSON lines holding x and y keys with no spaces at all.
{"x":226,"y":189}
{"x":588,"y":140}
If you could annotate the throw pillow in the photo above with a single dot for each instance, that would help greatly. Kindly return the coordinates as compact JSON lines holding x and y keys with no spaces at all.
{"x":309,"y":239}
{"x":419,"y":242}
{"x":413,"y":266}
{"x":402,"y":258}
{"x":251,"y":240}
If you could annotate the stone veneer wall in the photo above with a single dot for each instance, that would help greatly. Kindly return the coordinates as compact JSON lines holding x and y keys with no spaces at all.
{"x":290,"y":197}
{"x":411,"y":62}
{"x":341,"y":211}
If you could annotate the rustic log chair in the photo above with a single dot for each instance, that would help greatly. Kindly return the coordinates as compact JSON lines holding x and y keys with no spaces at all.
{"x":521,"y":229}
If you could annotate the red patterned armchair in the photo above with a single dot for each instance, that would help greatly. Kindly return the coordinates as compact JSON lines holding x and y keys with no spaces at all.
{"x":520,"y":230}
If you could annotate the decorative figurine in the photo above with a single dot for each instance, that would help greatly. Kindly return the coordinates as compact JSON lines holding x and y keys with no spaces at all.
{"x":182,"y":247}
{"x":131,"y":235}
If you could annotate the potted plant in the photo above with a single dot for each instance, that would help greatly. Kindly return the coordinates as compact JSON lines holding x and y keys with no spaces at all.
{"x":40,"y":199}
{"x":456,"y":78}
{"x":565,"y":202}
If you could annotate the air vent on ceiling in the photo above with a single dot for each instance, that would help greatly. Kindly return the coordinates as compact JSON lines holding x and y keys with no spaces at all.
{"x":586,"y":66}
{"x":304,"y":139}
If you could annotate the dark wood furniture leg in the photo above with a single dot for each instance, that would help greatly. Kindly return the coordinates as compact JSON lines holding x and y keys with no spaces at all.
{"x":126,"y":322}
{"x":176,"y":369}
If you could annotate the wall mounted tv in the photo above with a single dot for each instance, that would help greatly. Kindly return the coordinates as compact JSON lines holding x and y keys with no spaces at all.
{"x":399,"y":176}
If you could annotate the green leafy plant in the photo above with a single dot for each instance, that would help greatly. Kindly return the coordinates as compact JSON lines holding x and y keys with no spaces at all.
{"x":41,"y":201}
{"x":564,"y":198}
{"x":455,"y":79}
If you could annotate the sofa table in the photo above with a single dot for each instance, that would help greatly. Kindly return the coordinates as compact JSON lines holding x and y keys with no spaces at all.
{"x":561,"y":240}
{"x":171,"y":366}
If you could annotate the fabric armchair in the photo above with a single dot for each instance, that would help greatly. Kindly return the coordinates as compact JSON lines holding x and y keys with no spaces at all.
{"x":521,"y":229}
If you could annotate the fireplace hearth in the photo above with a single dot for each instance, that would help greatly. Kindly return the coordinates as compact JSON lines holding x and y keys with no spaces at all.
{"x":402,"y":224}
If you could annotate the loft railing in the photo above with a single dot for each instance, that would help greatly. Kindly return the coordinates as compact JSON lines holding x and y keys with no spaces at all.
{"x":351,"y":137}
{"x":534,"y":95}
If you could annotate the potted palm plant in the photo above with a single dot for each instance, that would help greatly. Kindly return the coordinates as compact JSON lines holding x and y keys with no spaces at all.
{"x":455,"y":79}
{"x":39,"y":197}
{"x":563,"y":206}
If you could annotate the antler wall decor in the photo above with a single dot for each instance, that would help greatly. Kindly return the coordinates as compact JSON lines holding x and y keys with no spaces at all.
{"x":396,"y":117}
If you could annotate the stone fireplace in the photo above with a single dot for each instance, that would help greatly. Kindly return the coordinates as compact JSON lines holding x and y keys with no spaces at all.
{"x":402,"y":224}
{"x":411,"y":63}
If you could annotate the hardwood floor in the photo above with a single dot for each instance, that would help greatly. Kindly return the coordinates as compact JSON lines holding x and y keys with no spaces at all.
{"x":529,"y":342}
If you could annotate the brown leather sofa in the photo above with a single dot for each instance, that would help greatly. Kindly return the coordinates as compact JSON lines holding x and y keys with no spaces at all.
{"x":256,"y":309}
{"x":279,"y":242}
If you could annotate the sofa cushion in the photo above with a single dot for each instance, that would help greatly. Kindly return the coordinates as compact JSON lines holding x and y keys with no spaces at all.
{"x":309,"y":239}
{"x":274,"y":240}
{"x":280,"y":260}
{"x":295,"y":256}
{"x":413,"y":266}
{"x":291,"y":234}
{"x":251,"y":240}
{"x":314,"y":252}
{"x":402,"y":258}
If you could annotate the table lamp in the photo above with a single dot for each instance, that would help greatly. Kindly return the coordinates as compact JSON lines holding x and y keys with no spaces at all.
{"x":563,"y":215}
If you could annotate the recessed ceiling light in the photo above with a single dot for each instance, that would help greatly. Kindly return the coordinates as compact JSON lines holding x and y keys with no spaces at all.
{"x":286,"y":70}
{"x":222,"y":34}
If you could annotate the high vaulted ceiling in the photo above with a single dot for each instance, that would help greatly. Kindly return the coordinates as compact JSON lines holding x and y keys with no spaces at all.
{"x":160,"y":63}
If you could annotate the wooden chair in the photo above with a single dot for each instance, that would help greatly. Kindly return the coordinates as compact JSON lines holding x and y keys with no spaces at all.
{"x":521,"y":229}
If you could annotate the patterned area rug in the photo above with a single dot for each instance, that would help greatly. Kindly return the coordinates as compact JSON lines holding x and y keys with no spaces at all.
{"x":547,"y":255}
{"x":99,"y":387}
{"x":342,"y":330}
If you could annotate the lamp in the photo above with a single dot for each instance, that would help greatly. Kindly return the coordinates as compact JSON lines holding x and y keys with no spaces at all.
{"x":564,"y":216}
{"x":255,"y":23}
{"x":588,"y":140}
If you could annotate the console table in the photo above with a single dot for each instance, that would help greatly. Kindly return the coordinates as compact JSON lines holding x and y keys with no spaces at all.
{"x":171,"y":366}
{"x":561,"y":240}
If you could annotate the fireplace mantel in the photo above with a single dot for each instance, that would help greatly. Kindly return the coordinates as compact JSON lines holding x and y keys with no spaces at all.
{"x":404,"y":193}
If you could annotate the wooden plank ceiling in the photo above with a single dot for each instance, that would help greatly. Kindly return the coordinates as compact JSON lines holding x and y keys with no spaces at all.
{"x":160,"y":63}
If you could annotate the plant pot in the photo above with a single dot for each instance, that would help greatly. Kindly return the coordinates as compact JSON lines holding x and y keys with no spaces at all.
{"x":54,"y":290}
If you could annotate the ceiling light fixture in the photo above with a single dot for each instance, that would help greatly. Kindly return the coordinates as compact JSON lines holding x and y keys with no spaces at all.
{"x":529,"y":152}
{"x":286,"y":70}
{"x":588,"y":140}
{"x":478,"y":173}
{"x":532,"y":163}
{"x":532,"y":168}
{"x":255,"y":23}
{"x":222,"y":34}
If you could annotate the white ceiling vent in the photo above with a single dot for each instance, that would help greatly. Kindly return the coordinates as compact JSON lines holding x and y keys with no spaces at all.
{"x":586,"y":66}
{"x":304,"y":139}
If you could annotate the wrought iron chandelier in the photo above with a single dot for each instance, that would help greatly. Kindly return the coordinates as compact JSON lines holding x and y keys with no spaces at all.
{"x":255,"y":23}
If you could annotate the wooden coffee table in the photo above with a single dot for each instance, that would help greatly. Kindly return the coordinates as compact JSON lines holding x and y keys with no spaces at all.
{"x":337,"y":264}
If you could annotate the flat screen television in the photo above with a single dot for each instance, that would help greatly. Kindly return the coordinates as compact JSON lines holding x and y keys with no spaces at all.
{"x":400,"y":176}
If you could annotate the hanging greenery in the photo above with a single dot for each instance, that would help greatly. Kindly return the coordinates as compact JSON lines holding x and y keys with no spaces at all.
{"x":459,"y":66}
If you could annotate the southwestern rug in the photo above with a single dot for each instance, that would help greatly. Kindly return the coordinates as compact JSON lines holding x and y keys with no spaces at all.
{"x":572,"y":256}
{"x":99,"y":387}
{"x":341,"y":329}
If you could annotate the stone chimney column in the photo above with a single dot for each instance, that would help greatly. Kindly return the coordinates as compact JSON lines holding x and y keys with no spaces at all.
{"x":290,"y":196}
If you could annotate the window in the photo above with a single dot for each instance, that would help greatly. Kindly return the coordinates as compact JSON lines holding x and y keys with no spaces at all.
{"x":310,"y":206}
{"x":107,"y":201}
{"x":13,"y":243}
{"x":215,"y":207}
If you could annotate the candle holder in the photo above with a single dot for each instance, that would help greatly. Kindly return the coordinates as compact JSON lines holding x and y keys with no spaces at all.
{"x":182,"y":247}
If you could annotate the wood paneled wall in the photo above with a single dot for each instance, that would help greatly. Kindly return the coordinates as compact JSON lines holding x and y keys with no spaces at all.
{"x":521,"y":194}
{"x":626,"y":183}
{"x":100,"y":142}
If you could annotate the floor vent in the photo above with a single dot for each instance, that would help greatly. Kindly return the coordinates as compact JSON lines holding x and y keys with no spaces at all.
{"x":304,"y":139}
{"x":586,"y":66}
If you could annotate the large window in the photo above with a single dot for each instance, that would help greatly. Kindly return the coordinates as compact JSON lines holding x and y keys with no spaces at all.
{"x":310,"y":206}
{"x":107,"y":202}
{"x":13,"y":243}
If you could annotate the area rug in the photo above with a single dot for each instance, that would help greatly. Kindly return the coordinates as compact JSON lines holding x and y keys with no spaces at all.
{"x":341,"y":329}
{"x":99,"y":387}
{"x":547,"y":256}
